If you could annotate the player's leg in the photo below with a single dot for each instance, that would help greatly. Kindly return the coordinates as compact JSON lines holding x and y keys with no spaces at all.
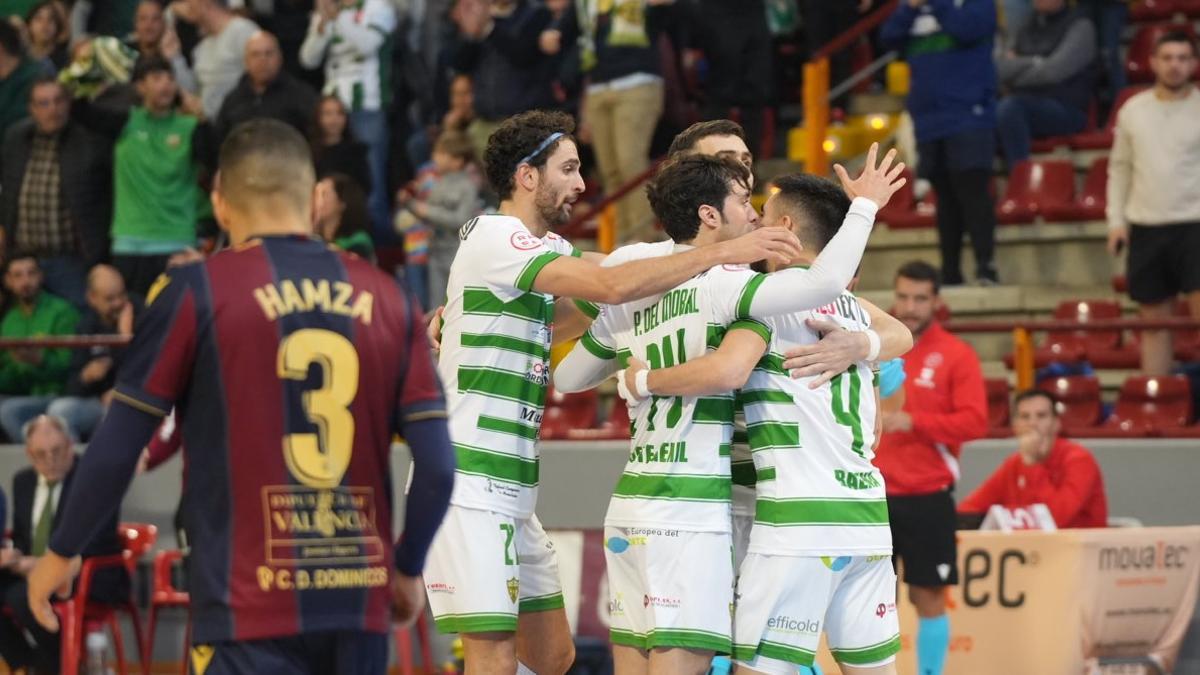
{"x":781,"y":604}
{"x":471,"y":578}
{"x":861,"y":624}
{"x":544,"y":643}
{"x":1157,"y":348}
{"x":672,"y":660}
{"x":742,"y":524}
{"x":930,"y":564}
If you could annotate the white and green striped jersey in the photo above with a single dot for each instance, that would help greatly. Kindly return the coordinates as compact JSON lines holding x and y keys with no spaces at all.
{"x":817,"y":491}
{"x":677,"y":475}
{"x":356,"y":49}
{"x":495,"y":361}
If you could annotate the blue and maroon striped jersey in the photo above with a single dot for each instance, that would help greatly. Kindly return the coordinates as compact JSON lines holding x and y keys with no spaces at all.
{"x":290,"y":365}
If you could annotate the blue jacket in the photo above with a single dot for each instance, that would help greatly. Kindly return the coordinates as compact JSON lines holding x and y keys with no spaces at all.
{"x":948,"y":45}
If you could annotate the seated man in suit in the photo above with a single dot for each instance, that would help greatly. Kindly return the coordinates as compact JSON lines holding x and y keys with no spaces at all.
{"x":39,"y":495}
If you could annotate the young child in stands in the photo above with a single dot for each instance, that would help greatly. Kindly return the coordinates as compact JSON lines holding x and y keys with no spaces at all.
{"x":440,"y":200}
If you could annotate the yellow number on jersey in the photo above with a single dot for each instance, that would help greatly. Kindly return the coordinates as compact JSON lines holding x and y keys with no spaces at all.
{"x":327,"y":407}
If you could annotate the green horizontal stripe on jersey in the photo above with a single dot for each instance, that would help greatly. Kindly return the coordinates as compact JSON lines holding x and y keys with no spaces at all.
{"x":500,"y":384}
{"x":685,"y":488}
{"x":506,"y":343}
{"x":747,"y":297}
{"x":765,"y":396}
{"x":758,"y":327}
{"x":590,"y":309}
{"x":667,"y":637}
{"x":767,"y":435}
{"x":785,"y":652}
{"x":765,"y":474}
{"x":532,"y":267}
{"x":541,"y":603}
{"x":869,"y":654}
{"x":480,"y":462}
{"x":507,"y":427}
{"x":530,"y":306}
{"x":713,"y":411}
{"x":743,"y":473}
{"x":724,"y":450}
{"x":475,"y":623}
{"x":596,"y":349}
{"x":821,"y":512}
{"x":773,"y":364}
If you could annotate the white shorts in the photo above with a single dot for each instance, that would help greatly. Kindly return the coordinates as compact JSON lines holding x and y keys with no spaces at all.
{"x":741,"y":538}
{"x":669,"y":588}
{"x":484,"y":568}
{"x":784,"y":602}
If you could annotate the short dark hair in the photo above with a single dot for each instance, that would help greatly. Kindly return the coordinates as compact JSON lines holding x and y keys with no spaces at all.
{"x":685,"y":184}
{"x":1176,"y":36}
{"x":43,"y":81}
{"x":10,"y":39}
{"x":149,"y":64}
{"x":688,"y":138}
{"x":59,"y":24}
{"x":818,"y":204}
{"x":265,"y":157}
{"x":520,"y":137}
{"x":355,"y":217}
{"x":1036,"y":393}
{"x":919,"y":270}
{"x":457,"y":144}
{"x":20,"y":254}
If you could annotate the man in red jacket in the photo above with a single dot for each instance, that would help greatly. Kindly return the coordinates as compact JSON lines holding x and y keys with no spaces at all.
{"x":944,"y":407}
{"x":1045,"y":469}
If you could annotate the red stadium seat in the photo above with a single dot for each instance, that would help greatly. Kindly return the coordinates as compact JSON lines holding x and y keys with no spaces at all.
{"x":615,"y":428}
{"x":1102,"y":139}
{"x":1150,"y":406}
{"x":565,"y":412}
{"x":1075,"y":346}
{"x":1033,"y":185}
{"x":1152,"y":10}
{"x":1078,"y":400}
{"x":904,"y":212}
{"x":164,"y":595}
{"x":998,"y":410}
{"x":78,"y":612}
{"x":1186,"y":341}
{"x":1089,"y":203}
{"x":1137,"y":61}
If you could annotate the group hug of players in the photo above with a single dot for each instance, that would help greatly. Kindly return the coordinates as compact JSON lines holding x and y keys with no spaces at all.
{"x":290,"y":365}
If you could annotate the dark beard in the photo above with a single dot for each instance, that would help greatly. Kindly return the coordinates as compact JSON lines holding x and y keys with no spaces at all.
{"x":548,"y":210}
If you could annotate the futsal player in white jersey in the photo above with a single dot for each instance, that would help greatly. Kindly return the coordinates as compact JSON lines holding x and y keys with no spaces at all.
{"x":820,"y":547}
{"x":491,"y":574}
{"x":667,"y":527}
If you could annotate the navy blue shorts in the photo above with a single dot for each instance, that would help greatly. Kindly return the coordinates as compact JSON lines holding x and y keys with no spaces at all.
{"x":340,"y":653}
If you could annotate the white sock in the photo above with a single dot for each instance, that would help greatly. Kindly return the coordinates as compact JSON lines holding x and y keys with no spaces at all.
{"x":523,"y":669}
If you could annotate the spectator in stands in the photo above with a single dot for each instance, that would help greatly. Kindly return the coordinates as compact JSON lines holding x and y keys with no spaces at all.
{"x":39,"y":495}
{"x":149,"y":29}
{"x":17,"y":73}
{"x":624,"y":96}
{"x":57,"y":204}
{"x":334,"y":148}
{"x":952,"y":103}
{"x":94,"y":371}
{"x":498,"y":47}
{"x":1109,"y":17}
{"x":1048,"y":75}
{"x":103,"y":17}
{"x":160,"y":149}
{"x":1154,"y":193}
{"x":1046,"y":469}
{"x":217,"y":61}
{"x":560,"y":42}
{"x":266,"y":91}
{"x":29,"y":376}
{"x":944,"y":406}
{"x":340,"y":215}
{"x":48,"y":33}
{"x":1015,"y":14}
{"x":349,"y":37}
{"x":443,"y":197}
{"x":458,"y":117}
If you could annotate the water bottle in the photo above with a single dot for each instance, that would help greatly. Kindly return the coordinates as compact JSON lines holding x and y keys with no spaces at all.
{"x":97,"y":654}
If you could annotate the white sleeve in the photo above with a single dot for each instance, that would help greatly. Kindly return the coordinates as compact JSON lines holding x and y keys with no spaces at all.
{"x":507,"y":256}
{"x":312,"y":50}
{"x":592,"y":360}
{"x":369,"y":31}
{"x":797,"y":289}
{"x":1120,"y":171}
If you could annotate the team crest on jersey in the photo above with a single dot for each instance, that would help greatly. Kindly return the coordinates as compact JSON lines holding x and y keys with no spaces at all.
{"x":523,"y":241}
{"x":514,"y":585}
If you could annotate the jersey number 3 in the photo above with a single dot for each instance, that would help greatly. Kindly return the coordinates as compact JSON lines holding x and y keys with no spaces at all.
{"x":320,"y":460}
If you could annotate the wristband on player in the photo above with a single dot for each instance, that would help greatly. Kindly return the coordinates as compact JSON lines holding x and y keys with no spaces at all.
{"x":641,"y":383}
{"x":874,"y":345}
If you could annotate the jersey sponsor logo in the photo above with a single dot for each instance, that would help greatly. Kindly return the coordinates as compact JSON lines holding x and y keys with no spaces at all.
{"x":537,"y":372}
{"x":531,"y":415}
{"x":786,"y":624}
{"x":857,"y":480}
{"x":885,"y":608}
{"x":307,"y":295}
{"x":174,"y":141}
{"x":616,"y":606}
{"x":270,"y":578}
{"x":617,"y":545}
{"x":308,"y":527}
{"x":660,"y":601}
{"x":836,"y":564}
{"x":676,"y":303}
{"x":502,"y":489}
{"x":440,"y":587}
{"x":524,"y":241}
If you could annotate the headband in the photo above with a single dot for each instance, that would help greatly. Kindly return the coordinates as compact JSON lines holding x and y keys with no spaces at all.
{"x":541,"y":148}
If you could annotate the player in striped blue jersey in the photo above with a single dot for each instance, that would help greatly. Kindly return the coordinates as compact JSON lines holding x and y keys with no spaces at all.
{"x":820,"y":543}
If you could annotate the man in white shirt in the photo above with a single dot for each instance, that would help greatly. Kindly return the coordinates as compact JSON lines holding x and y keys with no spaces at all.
{"x":38,"y":493}
{"x":217,"y":61}
{"x":1153,"y":193}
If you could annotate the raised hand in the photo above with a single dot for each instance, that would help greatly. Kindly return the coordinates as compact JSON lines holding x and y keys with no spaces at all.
{"x":877,"y":183}
{"x":775,"y":244}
